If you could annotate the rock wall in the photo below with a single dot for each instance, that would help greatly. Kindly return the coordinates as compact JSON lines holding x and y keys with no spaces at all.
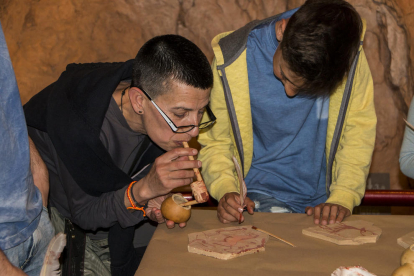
{"x":45,"y":35}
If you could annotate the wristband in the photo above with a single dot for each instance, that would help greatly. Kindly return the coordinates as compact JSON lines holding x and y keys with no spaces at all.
{"x":132,"y":200}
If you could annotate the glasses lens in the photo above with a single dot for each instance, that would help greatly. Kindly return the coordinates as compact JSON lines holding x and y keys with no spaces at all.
{"x":184,"y":129}
{"x":206,"y":124}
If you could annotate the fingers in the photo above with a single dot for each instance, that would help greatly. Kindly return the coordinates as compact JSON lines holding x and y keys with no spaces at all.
{"x":229,"y":209}
{"x":326,"y":213}
{"x":177,"y":153}
{"x":221,"y":219}
{"x":184,"y":165}
{"x":309,"y":210}
{"x":158,"y":215}
{"x":343,"y":212}
{"x":181,"y":158}
{"x":317,"y":215}
{"x":249,"y":205}
{"x":155,"y":214}
{"x":180,"y":174}
{"x":169,"y":171}
{"x":171,"y":224}
{"x":174,"y":183}
{"x":176,"y":160}
{"x":333,"y":214}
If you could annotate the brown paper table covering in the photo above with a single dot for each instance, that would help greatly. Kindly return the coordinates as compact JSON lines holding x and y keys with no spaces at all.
{"x":167,"y":252}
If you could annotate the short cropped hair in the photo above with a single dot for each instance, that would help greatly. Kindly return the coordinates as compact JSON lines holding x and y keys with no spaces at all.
{"x":168,"y":58}
{"x":320,"y":42}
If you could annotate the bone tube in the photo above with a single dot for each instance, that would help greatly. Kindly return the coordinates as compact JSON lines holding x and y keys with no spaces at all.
{"x":199,"y":191}
{"x":198,"y":187}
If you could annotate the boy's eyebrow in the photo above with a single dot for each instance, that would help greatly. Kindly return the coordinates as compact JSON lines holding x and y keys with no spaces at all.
{"x":180,"y":107}
{"x":188,"y":109}
{"x":284,"y":76}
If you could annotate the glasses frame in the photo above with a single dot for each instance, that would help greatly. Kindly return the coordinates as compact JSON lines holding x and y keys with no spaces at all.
{"x":171,"y":124}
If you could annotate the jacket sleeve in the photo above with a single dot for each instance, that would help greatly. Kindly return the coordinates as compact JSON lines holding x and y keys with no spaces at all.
{"x":354,"y":153}
{"x":217,"y":146}
{"x":87,"y":211}
{"x":91,"y":212}
{"x":407,"y":149}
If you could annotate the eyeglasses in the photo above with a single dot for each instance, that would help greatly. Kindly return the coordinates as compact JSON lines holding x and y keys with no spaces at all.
{"x":183,"y":129}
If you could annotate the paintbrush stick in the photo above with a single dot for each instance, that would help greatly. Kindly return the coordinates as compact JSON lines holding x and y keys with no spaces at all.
{"x":274,"y":236}
{"x":196,"y":171}
{"x":408,"y":124}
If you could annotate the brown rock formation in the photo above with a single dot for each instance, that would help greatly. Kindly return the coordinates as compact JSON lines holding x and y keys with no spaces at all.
{"x":44,"y":36}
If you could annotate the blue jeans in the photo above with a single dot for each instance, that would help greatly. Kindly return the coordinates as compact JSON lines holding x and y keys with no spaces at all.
{"x":29,"y":255}
{"x":265,"y":203}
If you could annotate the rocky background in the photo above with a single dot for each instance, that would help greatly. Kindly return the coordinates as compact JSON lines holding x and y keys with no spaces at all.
{"x":43,"y":36}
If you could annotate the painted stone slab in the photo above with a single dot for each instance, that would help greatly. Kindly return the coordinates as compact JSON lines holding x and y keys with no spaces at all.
{"x":406,"y":240}
{"x":227,"y":243}
{"x":346,"y":233}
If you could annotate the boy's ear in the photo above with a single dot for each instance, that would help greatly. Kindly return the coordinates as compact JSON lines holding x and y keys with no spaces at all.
{"x":136,"y":98}
{"x":280,"y":28}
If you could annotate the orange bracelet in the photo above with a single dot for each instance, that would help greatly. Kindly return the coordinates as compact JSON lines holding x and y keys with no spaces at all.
{"x":134,"y":207}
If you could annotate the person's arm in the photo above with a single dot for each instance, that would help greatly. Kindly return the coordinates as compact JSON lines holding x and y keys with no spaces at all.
{"x":169,"y":171}
{"x":217,"y":148}
{"x":6,"y":268}
{"x":407,"y":148}
{"x":216,"y":156}
{"x":39,"y":172}
{"x":90,"y":212}
{"x":353,"y":157}
{"x":354,"y":154}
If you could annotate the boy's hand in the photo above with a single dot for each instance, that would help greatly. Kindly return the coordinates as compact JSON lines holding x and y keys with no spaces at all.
{"x":229,"y":208}
{"x":331,"y":213}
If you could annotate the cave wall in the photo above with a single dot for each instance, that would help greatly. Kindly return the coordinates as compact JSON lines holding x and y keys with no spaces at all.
{"x":43,"y":36}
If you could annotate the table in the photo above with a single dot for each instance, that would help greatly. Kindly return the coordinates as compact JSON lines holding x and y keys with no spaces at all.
{"x":167,"y":252}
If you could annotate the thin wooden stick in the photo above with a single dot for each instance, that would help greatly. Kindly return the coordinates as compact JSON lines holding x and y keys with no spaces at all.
{"x":189,"y":203}
{"x":196,"y":171}
{"x":408,"y":124}
{"x":274,"y":236}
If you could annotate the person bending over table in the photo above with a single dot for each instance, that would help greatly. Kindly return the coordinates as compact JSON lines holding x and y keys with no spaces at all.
{"x":293,"y":95}
{"x":25,"y":227}
{"x":99,"y":126}
{"x":407,"y":148}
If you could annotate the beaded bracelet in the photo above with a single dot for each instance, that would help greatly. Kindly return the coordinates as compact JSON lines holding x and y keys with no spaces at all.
{"x":134,"y":207}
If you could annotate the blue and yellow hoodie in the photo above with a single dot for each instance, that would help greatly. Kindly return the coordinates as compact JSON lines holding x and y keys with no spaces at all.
{"x":350,"y":135}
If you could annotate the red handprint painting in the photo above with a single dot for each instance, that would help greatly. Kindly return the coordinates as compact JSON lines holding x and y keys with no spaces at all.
{"x":346,"y":233}
{"x":227,"y":243}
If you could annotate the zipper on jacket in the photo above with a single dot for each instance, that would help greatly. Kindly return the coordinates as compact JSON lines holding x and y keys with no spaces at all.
{"x":233,"y":116}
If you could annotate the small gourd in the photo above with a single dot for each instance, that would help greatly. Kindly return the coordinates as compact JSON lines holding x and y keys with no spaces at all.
{"x":408,"y":256}
{"x":172,"y":210}
{"x":404,"y":270}
{"x":407,"y":263}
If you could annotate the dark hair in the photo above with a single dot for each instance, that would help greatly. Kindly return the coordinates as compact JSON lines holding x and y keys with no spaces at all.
{"x":320,"y":42}
{"x":167,"y":58}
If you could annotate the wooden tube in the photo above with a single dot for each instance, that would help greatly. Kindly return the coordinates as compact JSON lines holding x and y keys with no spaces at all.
{"x":198,"y":187}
